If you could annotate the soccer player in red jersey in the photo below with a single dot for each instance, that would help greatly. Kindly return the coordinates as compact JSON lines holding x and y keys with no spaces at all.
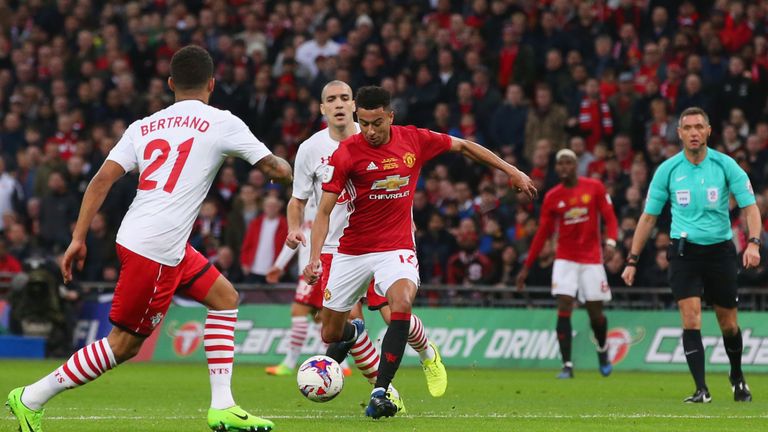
{"x":576,"y":205}
{"x":379,"y":168}
{"x":312,"y":159}
{"x":177,"y":151}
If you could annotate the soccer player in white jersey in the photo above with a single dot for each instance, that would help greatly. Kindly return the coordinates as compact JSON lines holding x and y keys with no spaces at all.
{"x":338,"y":106}
{"x":178,"y":152}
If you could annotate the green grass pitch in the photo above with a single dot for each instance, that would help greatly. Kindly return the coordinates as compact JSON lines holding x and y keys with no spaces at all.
{"x":174,"y":397}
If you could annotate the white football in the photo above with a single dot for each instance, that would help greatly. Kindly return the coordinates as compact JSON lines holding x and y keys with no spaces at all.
{"x":320,"y":378}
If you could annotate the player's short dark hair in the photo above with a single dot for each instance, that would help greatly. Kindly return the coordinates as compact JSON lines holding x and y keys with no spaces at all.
{"x":693,"y":111}
{"x":191,"y":68}
{"x":372,"y":97}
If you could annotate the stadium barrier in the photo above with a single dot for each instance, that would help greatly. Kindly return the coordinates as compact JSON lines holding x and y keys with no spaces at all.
{"x":656,"y":298}
{"x":472,"y":337}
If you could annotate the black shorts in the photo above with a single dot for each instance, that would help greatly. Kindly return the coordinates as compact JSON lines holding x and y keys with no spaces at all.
{"x":707,"y":271}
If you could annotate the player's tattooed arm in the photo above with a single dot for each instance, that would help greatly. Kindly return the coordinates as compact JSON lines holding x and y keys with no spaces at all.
{"x":276,"y":168}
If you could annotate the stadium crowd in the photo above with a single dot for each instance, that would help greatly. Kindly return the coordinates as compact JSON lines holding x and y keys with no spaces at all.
{"x":524,"y":78}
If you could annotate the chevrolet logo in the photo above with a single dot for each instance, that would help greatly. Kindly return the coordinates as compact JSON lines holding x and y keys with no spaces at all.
{"x":391,"y":183}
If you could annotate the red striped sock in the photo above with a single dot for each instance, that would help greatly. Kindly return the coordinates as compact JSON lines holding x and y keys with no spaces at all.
{"x":366,"y":357}
{"x":84,"y":366}
{"x":219,"y":340}
{"x":297,"y":336}
{"x":417,"y":337}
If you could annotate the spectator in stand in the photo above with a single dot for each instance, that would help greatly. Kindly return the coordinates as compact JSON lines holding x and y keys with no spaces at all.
{"x":263,"y":240}
{"x":58,"y":212}
{"x":225,"y":262}
{"x":101,"y":259}
{"x":692,"y":95}
{"x":595,"y":120}
{"x":9,"y":265}
{"x":468,"y":266}
{"x":545,"y":120}
{"x":434,"y":248}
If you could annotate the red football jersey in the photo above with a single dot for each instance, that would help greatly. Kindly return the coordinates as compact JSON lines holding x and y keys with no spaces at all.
{"x":576,"y":212}
{"x":380,"y":182}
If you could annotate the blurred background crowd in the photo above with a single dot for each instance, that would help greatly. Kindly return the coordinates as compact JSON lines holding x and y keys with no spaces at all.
{"x":524,"y":78}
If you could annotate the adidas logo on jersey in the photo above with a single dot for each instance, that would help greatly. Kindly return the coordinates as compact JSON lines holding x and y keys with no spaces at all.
{"x":372,"y":167}
{"x":560,"y":204}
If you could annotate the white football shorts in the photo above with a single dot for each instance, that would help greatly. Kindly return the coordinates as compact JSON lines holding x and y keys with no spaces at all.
{"x":585,"y":282}
{"x":351,"y":274}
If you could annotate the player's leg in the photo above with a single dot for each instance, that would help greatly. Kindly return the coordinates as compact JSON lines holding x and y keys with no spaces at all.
{"x":397,"y":279}
{"x":307,"y":300}
{"x":599,"y":324}
{"x":565,"y":280}
{"x":686,"y":282}
{"x":721,"y":288}
{"x":690,"y":315}
{"x":366,"y":358}
{"x":429,"y":355}
{"x":363,"y":352}
{"x":593,"y":293}
{"x":202,"y":282}
{"x":734,"y":346}
{"x":142,"y":296}
{"x":344,"y":279}
{"x":565,"y":334}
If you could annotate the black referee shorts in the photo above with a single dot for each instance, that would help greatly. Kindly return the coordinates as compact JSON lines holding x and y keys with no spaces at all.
{"x":707,"y":271}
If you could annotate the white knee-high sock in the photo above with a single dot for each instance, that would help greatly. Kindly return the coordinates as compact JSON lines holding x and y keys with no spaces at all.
{"x":87,"y":364}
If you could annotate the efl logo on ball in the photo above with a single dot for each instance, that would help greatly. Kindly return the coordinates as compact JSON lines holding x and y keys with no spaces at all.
{"x":320,"y":378}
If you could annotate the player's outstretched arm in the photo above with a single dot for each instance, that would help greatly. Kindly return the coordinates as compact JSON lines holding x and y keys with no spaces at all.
{"x":644,"y":227}
{"x":318,"y":235}
{"x":478,"y":153}
{"x":94,"y":197}
{"x":276,"y":168}
{"x":295,"y":217}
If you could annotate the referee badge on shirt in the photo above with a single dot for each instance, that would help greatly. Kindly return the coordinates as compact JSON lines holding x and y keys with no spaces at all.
{"x":683,"y":197}
{"x":712,"y":194}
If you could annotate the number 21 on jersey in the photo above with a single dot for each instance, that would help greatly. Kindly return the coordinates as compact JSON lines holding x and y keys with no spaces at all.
{"x":165,"y":149}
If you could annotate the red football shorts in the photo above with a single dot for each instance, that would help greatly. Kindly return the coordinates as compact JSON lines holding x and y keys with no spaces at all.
{"x":375,"y":301}
{"x":309,"y":295}
{"x":145,"y":288}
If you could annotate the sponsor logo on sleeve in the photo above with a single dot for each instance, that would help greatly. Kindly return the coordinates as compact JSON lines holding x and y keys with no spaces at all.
{"x":328,"y":173}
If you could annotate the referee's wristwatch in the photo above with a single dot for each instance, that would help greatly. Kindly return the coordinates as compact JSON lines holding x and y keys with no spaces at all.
{"x":755,"y":240}
{"x":632,"y":260}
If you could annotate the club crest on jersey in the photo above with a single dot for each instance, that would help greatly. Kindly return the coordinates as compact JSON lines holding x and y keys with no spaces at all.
{"x":391,"y":183}
{"x":585,"y":198}
{"x":155,"y":320}
{"x":327,"y":294}
{"x":409,"y":159}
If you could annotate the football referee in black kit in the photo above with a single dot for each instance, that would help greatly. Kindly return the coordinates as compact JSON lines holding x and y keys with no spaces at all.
{"x":703,"y":262}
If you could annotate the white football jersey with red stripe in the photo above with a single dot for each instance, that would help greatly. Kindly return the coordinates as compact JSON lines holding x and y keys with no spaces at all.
{"x":178,"y":152}
{"x":311,"y":162}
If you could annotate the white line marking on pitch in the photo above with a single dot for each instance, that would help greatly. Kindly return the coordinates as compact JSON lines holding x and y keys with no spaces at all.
{"x":437,"y":416}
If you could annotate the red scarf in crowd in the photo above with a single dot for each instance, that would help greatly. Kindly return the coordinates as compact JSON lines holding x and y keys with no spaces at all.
{"x":595,"y":119}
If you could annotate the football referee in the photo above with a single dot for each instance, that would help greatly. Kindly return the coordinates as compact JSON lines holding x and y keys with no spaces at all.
{"x":702,"y":259}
